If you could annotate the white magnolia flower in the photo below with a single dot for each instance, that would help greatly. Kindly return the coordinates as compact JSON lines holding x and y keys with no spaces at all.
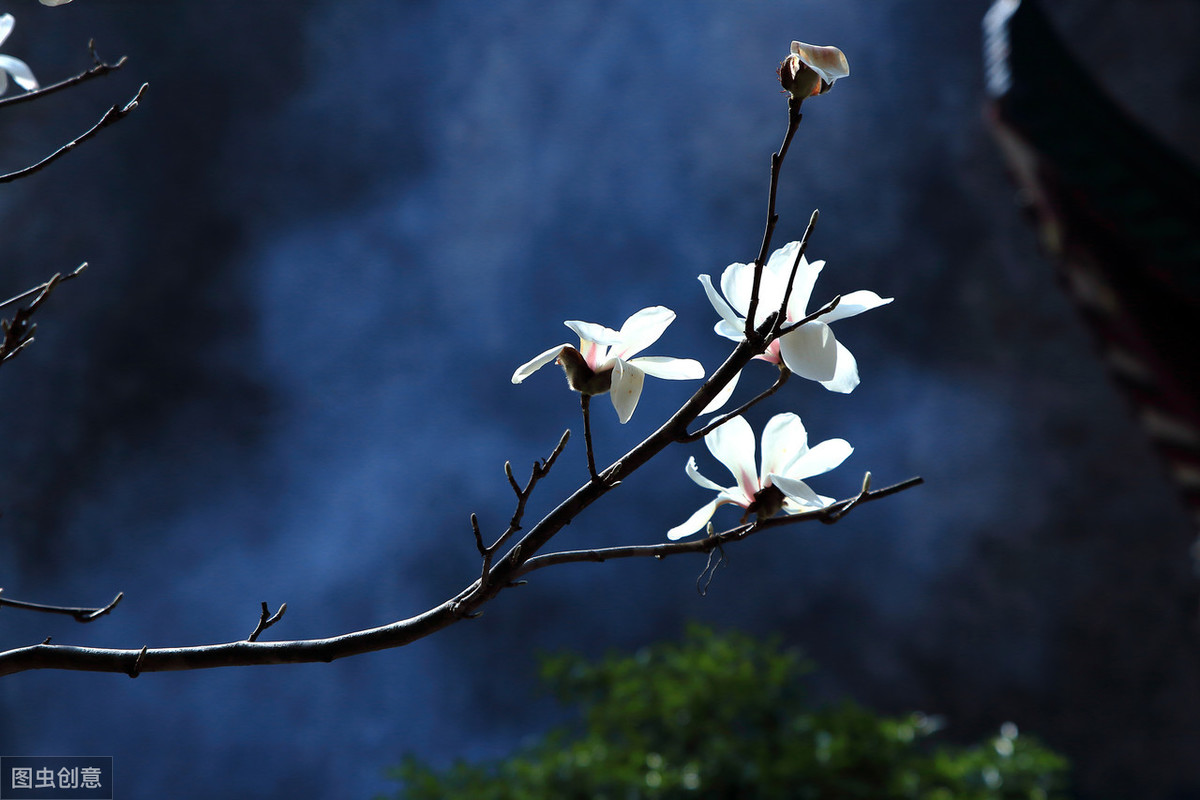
{"x":603,"y":361}
{"x":18,"y":69}
{"x":779,"y":485}
{"x":810,"y":351}
{"x":54,"y":2}
{"x":812,"y":69}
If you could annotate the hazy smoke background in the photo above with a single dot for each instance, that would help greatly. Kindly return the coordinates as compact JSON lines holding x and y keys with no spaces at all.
{"x":334,"y":229}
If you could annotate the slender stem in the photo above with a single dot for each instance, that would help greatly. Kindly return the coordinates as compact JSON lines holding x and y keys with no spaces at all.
{"x":78,"y":613}
{"x":112,"y":116}
{"x":585,"y":402}
{"x":794,"y":117}
{"x":98,"y":69}
{"x":57,"y":279}
{"x":830,"y":513}
{"x":17,"y":334}
{"x":711,"y":425}
{"x":820,"y":312}
{"x":265,"y":620}
{"x":787,"y":293}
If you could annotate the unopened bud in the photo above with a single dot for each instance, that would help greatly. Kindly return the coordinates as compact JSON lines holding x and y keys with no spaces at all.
{"x":812,"y":69}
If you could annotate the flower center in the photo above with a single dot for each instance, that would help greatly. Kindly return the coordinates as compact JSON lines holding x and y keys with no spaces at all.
{"x":582,"y":378}
{"x":767,"y":502}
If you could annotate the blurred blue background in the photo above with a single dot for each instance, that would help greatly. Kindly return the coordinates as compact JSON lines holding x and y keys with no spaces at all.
{"x":332,"y":231}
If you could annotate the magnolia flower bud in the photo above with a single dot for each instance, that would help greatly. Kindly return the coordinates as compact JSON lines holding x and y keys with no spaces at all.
{"x":812,"y":69}
{"x":580,"y":377}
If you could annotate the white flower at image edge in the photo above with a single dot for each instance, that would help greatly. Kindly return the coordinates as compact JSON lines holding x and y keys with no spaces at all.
{"x":604,"y":360}
{"x":18,"y":69}
{"x":786,"y":462}
{"x":811,"y":351}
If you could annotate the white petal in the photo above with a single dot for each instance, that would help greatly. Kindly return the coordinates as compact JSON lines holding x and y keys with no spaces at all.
{"x":54,"y":2}
{"x":723,"y":396}
{"x":626,"y":389}
{"x":733,"y":445}
{"x":820,"y":459}
{"x":810,"y":351}
{"x":732,"y":332}
{"x":6,"y":25}
{"x":695,"y":522}
{"x":642,"y":330}
{"x":797,"y":491}
{"x":20,"y":71}
{"x":791,"y":507}
{"x":783,"y":441}
{"x":775,"y":277}
{"x":845,"y":376}
{"x":537,"y":362}
{"x":592,"y":332}
{"x":827,"y":61}
{"x":736,"y":282}
{"x":671,"y":369}
{"x":694,"y":473}
{"x":806,"y":278}
{"x":728,"y":315}
{"x":854,"y":304}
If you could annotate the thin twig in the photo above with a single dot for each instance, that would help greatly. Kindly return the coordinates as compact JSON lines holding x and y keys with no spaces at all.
{"x":265,"y":620}
{"x":833,"y":512}
{"x":585,"y":406}
{"x":112,"y":116}
{"x":713,"y":424}
{"x":512,"y":479}
{"x":17,"y":334}
{"x":820,"y":312}
{"x":794,"y":117}
{"x":77,"y":613}
{"x":488,"y":553}
{"x":98,"y":69}
{"x":58,"y":278}
{"x":485,"y":552}
{"x":838,"y":513}
{"x":787,"y":293}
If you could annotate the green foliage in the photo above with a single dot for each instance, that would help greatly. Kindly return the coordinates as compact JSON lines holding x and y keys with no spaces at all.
{"x":725,"y":716}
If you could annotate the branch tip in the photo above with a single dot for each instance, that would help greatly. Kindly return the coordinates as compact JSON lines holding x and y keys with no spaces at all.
{"x":266,"y":620}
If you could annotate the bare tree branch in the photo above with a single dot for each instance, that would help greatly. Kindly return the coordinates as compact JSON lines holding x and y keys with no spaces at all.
{"x":787,"y":292}
{"x":16,"y":334}
{"x":265,"y":620}
{"x":540,"y":470}
{"x":713,"y":424}
{"x":496,"y":574}
{"x":111,"y":117}
{"x":78,"y":613}
{"x":793,"y":124}
{"x":396,"y":634}
{"x":98,"y":69}
{"x":830,"y":513}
